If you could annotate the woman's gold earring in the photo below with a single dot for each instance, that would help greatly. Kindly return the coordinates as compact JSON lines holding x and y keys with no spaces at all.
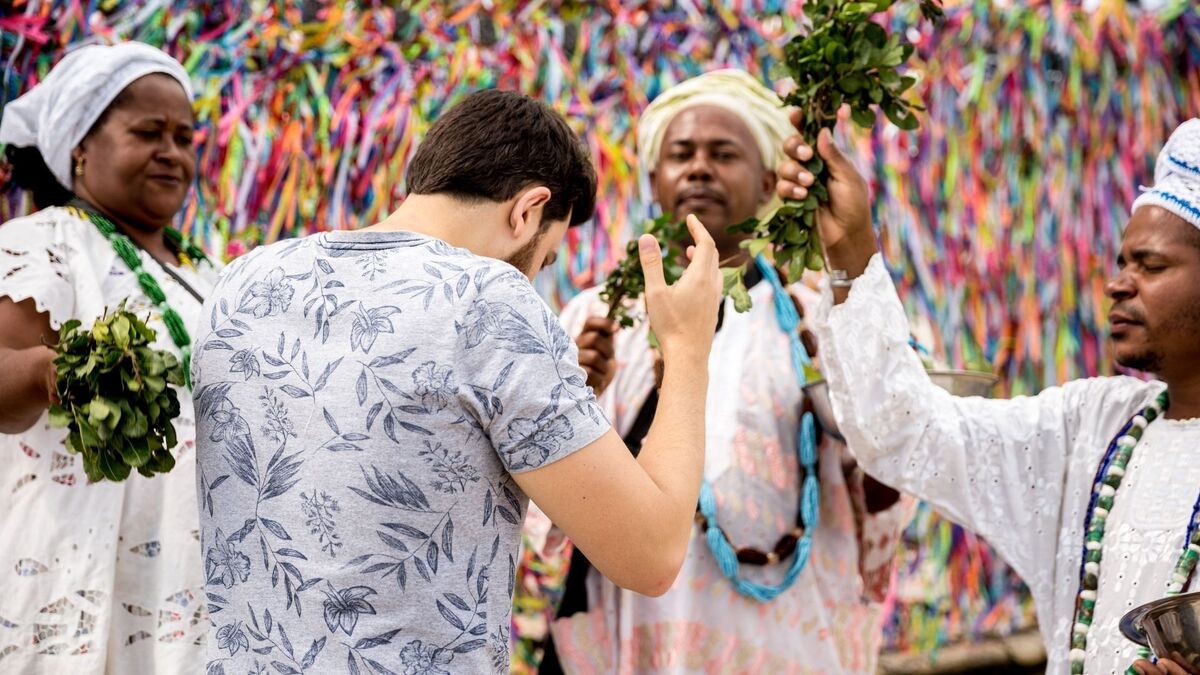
{"x":79,"y":167}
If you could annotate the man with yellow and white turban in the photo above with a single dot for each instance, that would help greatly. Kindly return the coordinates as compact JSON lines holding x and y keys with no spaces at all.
{"x":800,"y":596}
{"x":734,"y":108}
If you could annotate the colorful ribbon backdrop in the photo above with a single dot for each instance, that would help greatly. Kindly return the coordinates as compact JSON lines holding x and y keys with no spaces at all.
{"x":1001,"y":215}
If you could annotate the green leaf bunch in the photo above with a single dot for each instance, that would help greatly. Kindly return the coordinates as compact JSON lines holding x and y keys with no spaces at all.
{"x":627,"y":282}
{"x":845,"y":59}
{"x":115,"y":397}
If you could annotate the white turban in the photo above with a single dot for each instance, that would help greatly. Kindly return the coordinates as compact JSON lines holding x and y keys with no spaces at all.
{"x":1177,"y":175}
{"x":734,"y":90}
{"x":59,"y":111}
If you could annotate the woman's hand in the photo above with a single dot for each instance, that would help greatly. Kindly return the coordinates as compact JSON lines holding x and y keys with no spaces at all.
{"x":27,"y":387}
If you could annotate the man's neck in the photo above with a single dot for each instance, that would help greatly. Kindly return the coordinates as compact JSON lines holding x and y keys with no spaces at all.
{"x":1185,"y":396}
{"x":459,"y":224}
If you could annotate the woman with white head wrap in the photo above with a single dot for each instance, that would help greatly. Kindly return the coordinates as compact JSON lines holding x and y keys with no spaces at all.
{"x":102,"y":577}
{"x":709,"y":145}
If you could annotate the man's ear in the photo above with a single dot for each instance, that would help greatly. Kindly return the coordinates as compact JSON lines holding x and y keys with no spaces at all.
{"x":767,"y":187}
{"x":528,"y":211}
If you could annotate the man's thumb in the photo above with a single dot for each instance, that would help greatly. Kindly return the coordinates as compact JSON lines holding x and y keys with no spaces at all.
{"x":832,"y":156}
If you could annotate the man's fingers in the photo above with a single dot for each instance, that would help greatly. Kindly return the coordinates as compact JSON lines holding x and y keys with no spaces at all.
{"x":1162,"y":667}
{"x":796,"y":148}
{"x":1170,"y":667}
{"x":786,"y":189}
{"x":596,"y":342}
{"x":792,"y":179}
{"x":591,"y":359}
{"x":789,"y":170}
{"x":600,"y":324}
{"x":706,"y":248}
{"x":650,"y":256}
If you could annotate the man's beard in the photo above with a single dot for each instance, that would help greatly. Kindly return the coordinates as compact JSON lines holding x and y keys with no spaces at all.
{"x":1148,"y":361}
{"x":1149,"y":358}
{"x":523,"y":258}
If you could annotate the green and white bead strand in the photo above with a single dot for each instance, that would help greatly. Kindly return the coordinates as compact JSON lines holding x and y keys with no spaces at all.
{"x":129,"y":255}
{"x":1108,"y":482}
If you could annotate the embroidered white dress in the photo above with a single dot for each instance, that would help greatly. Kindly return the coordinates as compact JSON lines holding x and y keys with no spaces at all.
{"x":1018,"y":472}
{"x":829,"y":621}
{"x":105,"y":577}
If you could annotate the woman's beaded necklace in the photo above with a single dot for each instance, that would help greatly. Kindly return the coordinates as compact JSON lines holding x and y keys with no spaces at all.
{"x":726,"y":556}
{"x":126,"y":250}
{"x":1104,"y":491}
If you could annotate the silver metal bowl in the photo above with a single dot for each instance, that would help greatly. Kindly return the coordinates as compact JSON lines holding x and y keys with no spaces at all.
{"x":1170,"y":627}
{"x":957,"y":382}
{"x":965,"y":382}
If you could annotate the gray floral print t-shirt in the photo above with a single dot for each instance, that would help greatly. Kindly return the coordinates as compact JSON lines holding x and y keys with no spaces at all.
{"x":362,"y":400}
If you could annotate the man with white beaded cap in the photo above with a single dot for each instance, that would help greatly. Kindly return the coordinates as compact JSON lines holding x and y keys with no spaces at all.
{"x":1089,"y":490}
{"x":707,"y":146}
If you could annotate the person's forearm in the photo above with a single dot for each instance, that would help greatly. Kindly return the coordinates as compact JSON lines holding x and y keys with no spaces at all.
{"x":673,"y":453}
{"x":23,"y":395}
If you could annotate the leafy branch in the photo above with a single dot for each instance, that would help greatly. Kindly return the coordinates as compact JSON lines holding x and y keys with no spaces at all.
{"x":627,"y":282}
{"x":115,"y":398}
{"x":844,"y":59}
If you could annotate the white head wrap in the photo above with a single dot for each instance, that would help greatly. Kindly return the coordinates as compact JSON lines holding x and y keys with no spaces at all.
{"x":59,"y":111}
{"x":734,"y":90}
{"x":1177,"y":175}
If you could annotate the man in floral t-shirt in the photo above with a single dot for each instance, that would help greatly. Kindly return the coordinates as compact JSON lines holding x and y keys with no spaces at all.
{"x":373,"y":408}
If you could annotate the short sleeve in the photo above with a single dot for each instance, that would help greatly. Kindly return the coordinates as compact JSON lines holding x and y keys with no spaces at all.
{"x":526,"y":391}
{"x":34,"y":265}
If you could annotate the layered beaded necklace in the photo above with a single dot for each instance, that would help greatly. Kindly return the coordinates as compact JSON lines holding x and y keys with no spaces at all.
{"x":126,"y":250}
{"x":798,"y":542}
{"x":1104,"y":490}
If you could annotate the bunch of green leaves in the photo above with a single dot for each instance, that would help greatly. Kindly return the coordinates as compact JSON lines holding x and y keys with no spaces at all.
{"x":114,"y":396}
{"x":844,"y":59}
{"x":627,"y":282}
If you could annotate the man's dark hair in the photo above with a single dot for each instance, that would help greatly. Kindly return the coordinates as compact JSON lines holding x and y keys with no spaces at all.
{"x":496,"y":143}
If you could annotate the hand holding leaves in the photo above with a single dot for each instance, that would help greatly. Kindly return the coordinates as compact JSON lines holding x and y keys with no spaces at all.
{"x":846,"y":59}
{"x":114,"y":396}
